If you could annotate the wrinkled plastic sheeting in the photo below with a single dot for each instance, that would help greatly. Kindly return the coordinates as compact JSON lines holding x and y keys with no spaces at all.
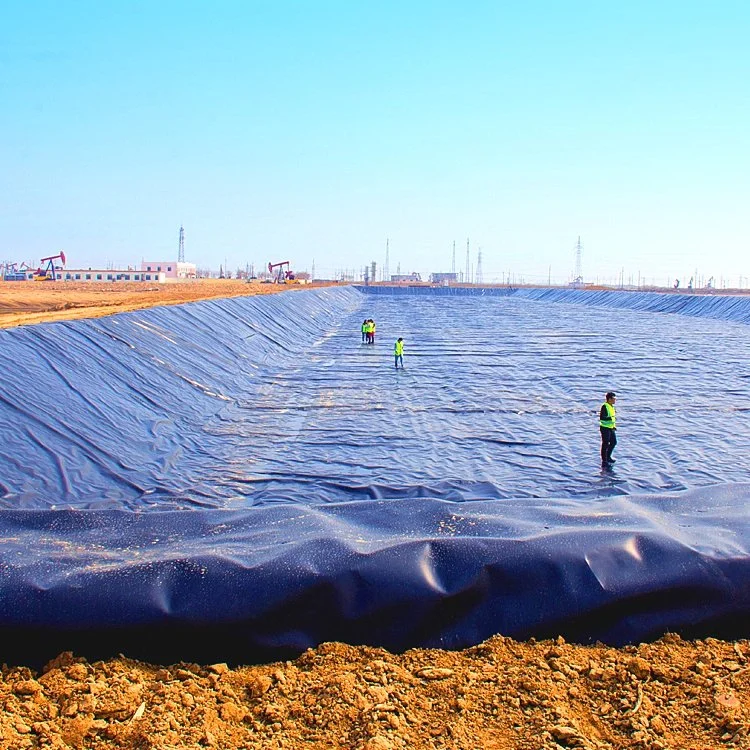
{"x":117,"y":411}
{"x":717,"y":306}
{"x":439,"y":291}
{"x":702,"y":305}
{"x":243,"y":478}
{"x":270,"y":582}
{"x":253,"y":400}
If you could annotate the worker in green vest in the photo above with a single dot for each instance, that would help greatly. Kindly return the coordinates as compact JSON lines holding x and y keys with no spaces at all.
{"x":608,"y":427}
{"x":364,"y":330}
{"x":398,"y":351}
{"x":369,"y":328}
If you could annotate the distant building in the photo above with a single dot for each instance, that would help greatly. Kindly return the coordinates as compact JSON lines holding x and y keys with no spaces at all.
{"x":407,"y":278}
{"x":27,"y":274}
{"x":110,"y":274}
{"x":172,"y":269}
{"x":444,"y":278}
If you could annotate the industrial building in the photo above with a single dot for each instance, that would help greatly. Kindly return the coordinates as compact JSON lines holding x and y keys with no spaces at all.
{"x":172,"y":269}
{"x":446,"y":279}
{"x":109,"y":275}
{"x":406,"y":278}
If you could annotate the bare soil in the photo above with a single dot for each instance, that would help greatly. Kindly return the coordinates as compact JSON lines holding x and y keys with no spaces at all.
{"x":500,"y":695}
{"x":29,"y":302}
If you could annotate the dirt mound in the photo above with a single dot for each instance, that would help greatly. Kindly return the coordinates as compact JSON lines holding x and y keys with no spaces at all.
{"x":502,"y":694}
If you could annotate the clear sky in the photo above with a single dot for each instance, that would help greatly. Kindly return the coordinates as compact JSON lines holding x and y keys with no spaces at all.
{"x":316,"y":131}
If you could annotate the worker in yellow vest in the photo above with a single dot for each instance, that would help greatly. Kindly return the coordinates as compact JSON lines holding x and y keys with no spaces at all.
{"x":398,"y":351}
{"x":608,"y":427}
{"x":372,"y":331}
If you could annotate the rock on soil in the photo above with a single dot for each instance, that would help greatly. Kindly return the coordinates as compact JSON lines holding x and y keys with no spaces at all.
{"x":501,"y":695}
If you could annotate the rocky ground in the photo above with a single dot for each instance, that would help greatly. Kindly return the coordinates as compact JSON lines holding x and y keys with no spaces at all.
{"x":501,"y":695}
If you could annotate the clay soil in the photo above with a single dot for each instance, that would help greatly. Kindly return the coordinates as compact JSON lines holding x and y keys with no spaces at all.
{"x":29,"y":302}
{"x":500,"y":695}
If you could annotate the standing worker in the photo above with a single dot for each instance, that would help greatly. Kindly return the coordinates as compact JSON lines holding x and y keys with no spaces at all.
{"x":364,"y":331}
{"x":608,"y":427}
{"x":398,"y":351}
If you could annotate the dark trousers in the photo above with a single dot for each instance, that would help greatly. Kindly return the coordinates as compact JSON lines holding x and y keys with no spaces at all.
{"x":609,"y":441}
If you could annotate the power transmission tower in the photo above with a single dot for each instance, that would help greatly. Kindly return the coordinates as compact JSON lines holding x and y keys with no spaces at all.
{"x":468,"y":278}
{"x":453,"y":265}
{"x":181,"y":249}
{"x":386,"y":269}
{"x":312,"y":277}
{"x":478,"y":278}
{"x":578,"y":276}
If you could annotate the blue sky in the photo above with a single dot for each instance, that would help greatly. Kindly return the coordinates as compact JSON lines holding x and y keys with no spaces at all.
{"x":316,"y":131}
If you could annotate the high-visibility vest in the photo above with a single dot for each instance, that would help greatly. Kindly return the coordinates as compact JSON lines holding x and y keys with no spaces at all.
{"x":398,"y":349}
{"x":364,"y":327}
{"x":610,"y":421}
